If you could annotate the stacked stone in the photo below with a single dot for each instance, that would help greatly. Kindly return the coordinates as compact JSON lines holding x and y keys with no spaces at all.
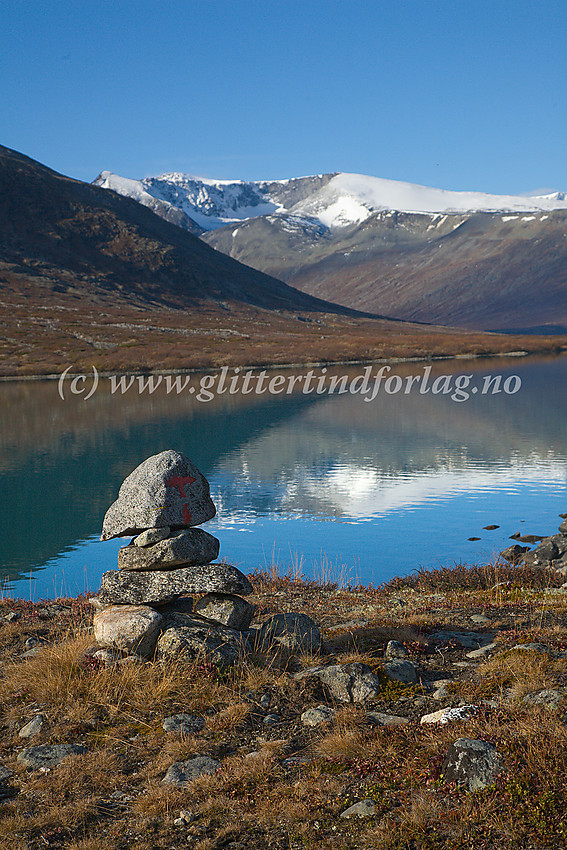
{"x":144,"y":607}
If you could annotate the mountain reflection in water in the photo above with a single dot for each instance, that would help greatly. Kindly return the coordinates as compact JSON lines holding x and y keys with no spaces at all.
{"x":366,"y":489}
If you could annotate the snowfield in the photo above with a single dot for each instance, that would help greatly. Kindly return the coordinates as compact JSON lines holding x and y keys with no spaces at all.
{"x":344,"y":200}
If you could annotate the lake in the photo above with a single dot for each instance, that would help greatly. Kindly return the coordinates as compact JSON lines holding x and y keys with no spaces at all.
{"x":340,"y":486}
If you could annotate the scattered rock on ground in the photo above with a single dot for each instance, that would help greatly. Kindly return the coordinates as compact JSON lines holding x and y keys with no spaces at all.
{"x":183,"y":724}
{"x":481,"y":651}
{"x":296,"y":632}
{"x":448,"y":715}
{"x":467,"y":640}
{"x":48,"y":755}
{"x":378,"y":718}
{"x":33,"y":727}
{"x":317,"y":716}
{"x":345,"y":682}
{"x":182,"y":773}
{"x":363,"y":809}
{"x":472,"y":763}
{"x":550,"y":698}
{"x":395,"y":649}
{"x":401,"y":670}
{"x":480,"y":619}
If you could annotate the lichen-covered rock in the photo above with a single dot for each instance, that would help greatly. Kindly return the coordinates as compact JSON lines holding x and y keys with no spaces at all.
{"x":226,"y":608}
{"x":131,"y":628}
{"x":131,"y":587}
{"x":472,"y":763}
{"x":190,"y":638}
{"x":345,"y":682}
{"x":186,"y":548}
{"x":448,"y":715}
{"x":165,"y":490}
{"x":295,"y":632}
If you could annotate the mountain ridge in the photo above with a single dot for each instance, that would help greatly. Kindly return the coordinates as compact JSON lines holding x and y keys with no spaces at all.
{"x":337,"y":199}
{"x":465,"y":259}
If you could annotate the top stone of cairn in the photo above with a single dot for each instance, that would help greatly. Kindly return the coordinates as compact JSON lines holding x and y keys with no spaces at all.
{"x":164,"y":490}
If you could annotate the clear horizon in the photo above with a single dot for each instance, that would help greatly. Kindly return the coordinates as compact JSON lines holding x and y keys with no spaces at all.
{"x":439,"y":94}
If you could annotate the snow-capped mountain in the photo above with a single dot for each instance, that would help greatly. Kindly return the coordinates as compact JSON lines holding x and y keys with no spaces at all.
{"x":332,"y":200}
{"x":417,"y":253}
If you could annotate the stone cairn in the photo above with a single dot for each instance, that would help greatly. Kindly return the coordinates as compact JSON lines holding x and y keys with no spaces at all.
{"x":145,"y":608}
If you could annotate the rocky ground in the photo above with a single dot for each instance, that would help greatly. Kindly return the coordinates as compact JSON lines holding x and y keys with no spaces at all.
{"x":276,"y":750}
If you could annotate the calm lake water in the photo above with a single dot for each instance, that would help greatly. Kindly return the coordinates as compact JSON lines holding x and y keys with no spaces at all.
{"x":332,"y":485}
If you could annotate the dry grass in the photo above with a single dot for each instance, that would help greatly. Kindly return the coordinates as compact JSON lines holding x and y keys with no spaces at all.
{"x":40,"y":337}
{"x":258,"y":798}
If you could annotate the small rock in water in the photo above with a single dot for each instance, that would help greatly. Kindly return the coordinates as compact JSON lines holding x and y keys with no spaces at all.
{"x":473,"y":538}
{"x":490,"y":527}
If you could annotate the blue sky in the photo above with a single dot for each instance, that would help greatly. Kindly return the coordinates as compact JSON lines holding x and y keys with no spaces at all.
{"x":458,"y":95}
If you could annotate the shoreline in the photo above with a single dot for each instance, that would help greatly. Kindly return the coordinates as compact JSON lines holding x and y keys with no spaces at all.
{"x":560,"y":351}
